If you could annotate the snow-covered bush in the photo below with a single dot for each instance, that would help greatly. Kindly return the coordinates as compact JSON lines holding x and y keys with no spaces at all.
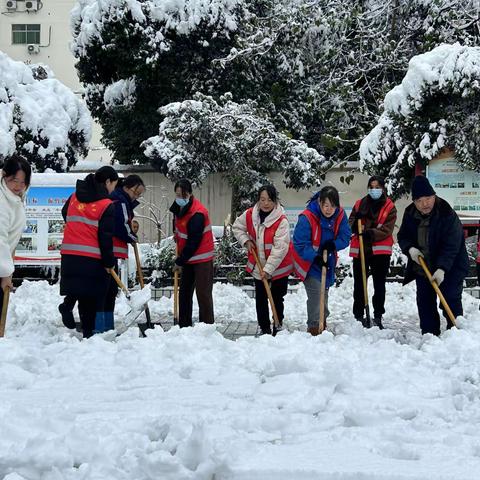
{"x":436,"y":106}
{"x":40,"y":118}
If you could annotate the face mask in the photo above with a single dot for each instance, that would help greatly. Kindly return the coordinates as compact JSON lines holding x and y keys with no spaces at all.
{"x":181,"y":202}
{"x":375,"y":193}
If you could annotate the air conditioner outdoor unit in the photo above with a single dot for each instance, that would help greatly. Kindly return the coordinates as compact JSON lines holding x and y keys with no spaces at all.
{"x":32,"y":48}
{"x":31,"y":5}
{"x":11,"y":4}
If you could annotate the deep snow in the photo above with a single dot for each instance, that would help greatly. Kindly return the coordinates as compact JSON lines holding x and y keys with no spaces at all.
{"x":356,"y":404}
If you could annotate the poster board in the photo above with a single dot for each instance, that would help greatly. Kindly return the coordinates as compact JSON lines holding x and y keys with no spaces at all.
{"x":460,"y":188}
{"x":42,"y":238}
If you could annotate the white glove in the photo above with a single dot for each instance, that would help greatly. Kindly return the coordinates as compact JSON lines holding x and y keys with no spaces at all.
{"x":414,"y":254}
{"x":438,"y":276}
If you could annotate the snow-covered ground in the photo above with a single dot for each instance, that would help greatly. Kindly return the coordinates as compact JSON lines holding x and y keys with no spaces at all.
{"x":352,"y":404}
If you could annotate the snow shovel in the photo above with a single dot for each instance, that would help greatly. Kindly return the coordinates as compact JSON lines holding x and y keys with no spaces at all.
{"x":435,"y":286}
{"x":3,"y":318}
{"x":135,"y":311}
{"x":364,"y":276}
{"x":321,"y":323}
{"x":175,"y":291}
{"x":142,"y":284}
{"x":276,"y":323}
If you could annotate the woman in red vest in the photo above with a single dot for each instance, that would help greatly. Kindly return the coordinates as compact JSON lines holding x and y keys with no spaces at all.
{"x":378,"y":215}
{"x":194,"y":237}
{"x":322,"y":226}
{"x":125,"y":199}
{"x":264,"y":228}
{"x":87,"y":248}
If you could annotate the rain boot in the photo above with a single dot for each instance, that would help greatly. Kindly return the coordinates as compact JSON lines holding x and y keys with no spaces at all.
{"x":99,"y":323}
{"x":109,"y":321}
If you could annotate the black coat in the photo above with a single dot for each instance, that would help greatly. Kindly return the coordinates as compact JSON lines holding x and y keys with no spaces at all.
{"x":86,"y":276}
{"x":446,"y":242}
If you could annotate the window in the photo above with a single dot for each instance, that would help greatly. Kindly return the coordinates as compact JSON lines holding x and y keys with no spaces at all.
{"x":25,"y":33}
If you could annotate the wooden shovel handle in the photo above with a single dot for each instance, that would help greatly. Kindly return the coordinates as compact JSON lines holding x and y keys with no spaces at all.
{"x":321,"y":326}
{"x":435,"y":286}
{"x":267,"y":289}
{"x":119,"y":283}
{"x":3,"y":318}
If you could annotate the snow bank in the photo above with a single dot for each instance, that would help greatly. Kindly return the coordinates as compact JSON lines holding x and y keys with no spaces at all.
{"x":189,"y":404}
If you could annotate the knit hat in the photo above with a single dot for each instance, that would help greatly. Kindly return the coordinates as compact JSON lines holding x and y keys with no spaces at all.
{"x":421,"y":187}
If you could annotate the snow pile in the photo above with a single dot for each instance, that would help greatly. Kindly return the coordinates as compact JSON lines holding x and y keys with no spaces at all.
{"x":156,"y":20}
{"x":401,"y":135}
{"x":44,"y":108}
{"x":189,"y":404}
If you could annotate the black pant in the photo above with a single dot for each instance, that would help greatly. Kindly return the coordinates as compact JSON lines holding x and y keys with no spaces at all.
{"x":377,"y":266}
{"x":87,"y":309}
{"x":279,"y":289}
{"x":198,"y":277}
{"x":427,"y":302}
{"x":112,"y":292}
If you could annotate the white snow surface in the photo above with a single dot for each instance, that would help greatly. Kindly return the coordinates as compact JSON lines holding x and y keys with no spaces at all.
{"x":351,"y":404}
{"x":46,"y":108}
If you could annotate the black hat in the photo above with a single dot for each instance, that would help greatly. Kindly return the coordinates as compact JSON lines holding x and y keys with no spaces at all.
{"x":421,"y":187}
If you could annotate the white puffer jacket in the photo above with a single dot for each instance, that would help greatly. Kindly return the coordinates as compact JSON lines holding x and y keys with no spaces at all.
{"x":12,"y":225}
{"x":281,"y":241}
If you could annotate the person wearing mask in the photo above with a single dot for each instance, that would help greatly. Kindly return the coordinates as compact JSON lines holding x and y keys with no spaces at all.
{"x":194,"y":238}
{"x":321,"y":226}
{"x":15,"y":179}
{"x":125,"y":199}
{"x":431,"y":229}
{"x":265,"y":229}
{"x":378,"y":215}
{"x":87,"y":248}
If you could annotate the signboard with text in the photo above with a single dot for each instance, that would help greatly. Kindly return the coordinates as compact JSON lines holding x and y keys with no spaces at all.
{"x":41,"y":241}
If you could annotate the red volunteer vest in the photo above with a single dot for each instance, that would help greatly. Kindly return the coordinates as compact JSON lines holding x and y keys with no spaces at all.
{"x":286,"y":265}
{"x":301,"y":265}
{"x":81,"y":230}
{"x":206,"y":249}
{"x":383,"y":247}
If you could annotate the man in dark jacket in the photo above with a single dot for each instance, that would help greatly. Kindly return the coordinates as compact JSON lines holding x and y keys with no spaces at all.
{"x":431,"y":229}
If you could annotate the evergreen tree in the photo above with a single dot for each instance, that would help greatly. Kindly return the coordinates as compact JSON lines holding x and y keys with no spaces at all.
{"x":40,"y":118}
{"x":436,"y":106}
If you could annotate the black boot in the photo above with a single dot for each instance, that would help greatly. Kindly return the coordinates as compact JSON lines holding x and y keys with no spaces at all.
{"x":377,"y":321}
{"x":67,"y":316}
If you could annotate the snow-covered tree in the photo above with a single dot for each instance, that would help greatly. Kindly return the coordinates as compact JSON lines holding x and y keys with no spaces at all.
{"x":319,"y":69}
{"x":202,"y":136}
{"x":437,"y":105}
{"x":40,"y":118}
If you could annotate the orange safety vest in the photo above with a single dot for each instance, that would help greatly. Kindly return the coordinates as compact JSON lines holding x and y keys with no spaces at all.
{"x":286,"y":265}
{"x":301,"y":265}
{"x":120,"y":248}
{"x":206,"y":249}
{"x":81,"y":230}
{"x":382,"y":247}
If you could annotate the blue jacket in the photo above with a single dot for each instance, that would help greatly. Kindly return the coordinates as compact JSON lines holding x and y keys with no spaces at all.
{"x":123,"y":215}
{"x":302,"y":239}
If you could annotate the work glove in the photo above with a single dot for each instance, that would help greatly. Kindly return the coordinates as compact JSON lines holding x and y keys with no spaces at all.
{"x":438,"y":276}
{"x":329,"y":246}
{"x":414,"y":254}
{"x":318,"y":260}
